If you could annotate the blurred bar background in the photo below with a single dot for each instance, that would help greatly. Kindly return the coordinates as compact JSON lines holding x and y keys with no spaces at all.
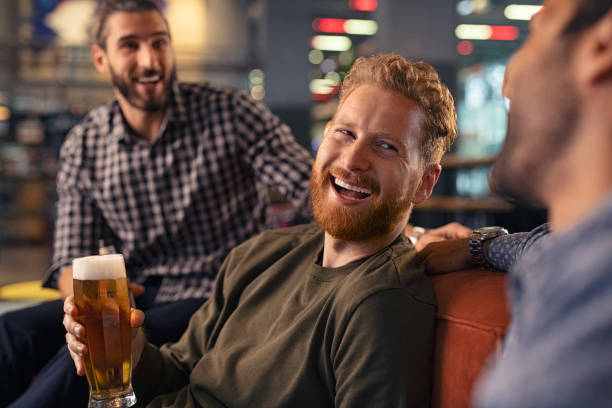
{"x":290,"y":54}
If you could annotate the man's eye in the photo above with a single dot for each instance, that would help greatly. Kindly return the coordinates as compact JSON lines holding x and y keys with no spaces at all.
{"x":130,"y":45}
{"x":345,"y":132}
{"x":387,"y":146}
{"x":159,"y":44}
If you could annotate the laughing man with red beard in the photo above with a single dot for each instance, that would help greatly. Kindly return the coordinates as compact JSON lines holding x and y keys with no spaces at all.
{"x":335,"y":313}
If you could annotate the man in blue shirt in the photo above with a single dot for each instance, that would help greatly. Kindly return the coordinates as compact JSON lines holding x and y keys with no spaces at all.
{"x":557,"y":154}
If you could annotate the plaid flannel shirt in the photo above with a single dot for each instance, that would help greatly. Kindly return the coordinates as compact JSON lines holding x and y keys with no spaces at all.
{"x":176,"y":207}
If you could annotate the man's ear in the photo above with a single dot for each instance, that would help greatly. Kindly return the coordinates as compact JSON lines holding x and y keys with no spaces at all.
{"x":594,"y":58}
{"x":428,"y":181}
{"x":100,"y":59}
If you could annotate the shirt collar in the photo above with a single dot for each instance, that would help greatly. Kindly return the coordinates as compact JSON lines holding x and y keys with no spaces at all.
{"x":120,"y":131}
{"x":176,"y":107}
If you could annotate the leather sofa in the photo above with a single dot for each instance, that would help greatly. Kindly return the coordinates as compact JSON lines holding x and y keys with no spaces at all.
{"x":471,"y":319}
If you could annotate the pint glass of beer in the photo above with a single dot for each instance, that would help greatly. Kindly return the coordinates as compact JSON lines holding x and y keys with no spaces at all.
{"x":101,"y":295}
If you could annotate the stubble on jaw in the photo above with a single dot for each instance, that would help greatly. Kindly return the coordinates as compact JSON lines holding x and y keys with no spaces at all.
{"x":542,"y":124}
{"x":150,"y":105}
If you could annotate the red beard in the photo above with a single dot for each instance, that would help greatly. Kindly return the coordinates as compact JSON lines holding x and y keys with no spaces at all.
{"x":379,"y":219}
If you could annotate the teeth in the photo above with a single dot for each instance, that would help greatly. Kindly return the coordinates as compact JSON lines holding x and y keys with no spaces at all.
{"x":350,"y":187}
{"x":148,"y":79}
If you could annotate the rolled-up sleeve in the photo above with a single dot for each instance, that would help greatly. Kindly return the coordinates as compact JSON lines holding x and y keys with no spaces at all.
{"x":277,"y":159}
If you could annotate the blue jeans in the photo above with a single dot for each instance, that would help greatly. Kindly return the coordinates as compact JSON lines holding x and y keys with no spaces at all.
{"x":32,"y":346}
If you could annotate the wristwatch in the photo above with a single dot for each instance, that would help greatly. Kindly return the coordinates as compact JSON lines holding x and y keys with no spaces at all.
{"x":478,"y":238}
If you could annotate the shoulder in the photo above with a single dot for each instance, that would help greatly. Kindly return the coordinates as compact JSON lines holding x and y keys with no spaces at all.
{"x":220,"y":99}
{"x":393,"y":270}
{"x":583,"y":262}
{"x":209,"y":92}
{"x":567,"y":279}
{"x":95,"y":123}
{"x":278,"y":242}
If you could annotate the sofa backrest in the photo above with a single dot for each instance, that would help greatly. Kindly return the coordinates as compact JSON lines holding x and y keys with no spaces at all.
{"x":471,"y":319}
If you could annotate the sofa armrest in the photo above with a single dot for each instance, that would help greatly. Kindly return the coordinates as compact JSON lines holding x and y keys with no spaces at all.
{"x":471,"y":318}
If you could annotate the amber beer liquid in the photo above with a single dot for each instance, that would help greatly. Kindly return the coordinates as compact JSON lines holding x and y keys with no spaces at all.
{"x":101,"y":296}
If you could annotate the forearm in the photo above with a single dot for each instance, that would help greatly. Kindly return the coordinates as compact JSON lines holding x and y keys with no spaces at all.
{"x":155,"y":374}
{"x":277,"y":160}
{"x":64,"y":282}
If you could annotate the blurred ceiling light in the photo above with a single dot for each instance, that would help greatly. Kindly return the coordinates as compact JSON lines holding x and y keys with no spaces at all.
{"x":329,"y":25}
{"x":361,"y":27}
{"x":480,"y":6}
{"x":256,"y":76}
{"x":187,"y":21}
{"x":328,"y":65}
{"x":70,"y":21}
{"x":486,"y":32}
{"x":5,"y":113}
{"x":315,"y":57}
{"x":465,"y":8}
{"x":521,"y":11}
{"x":331,"y":42}
{"x":322,"y":86}
{"x":504,"y":33}
{"x":346,"y":57}
{"x":344,"y":26}
{"x":334,"y":76}
{"x":363,"y":5}
{"x":465,"y":47}
{"x":473,"y":31}
{"x":258,"y":92}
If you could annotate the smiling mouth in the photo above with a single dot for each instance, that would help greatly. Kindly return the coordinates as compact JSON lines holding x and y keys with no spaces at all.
{"x":149,"y":79}
{"x":349,"y":191}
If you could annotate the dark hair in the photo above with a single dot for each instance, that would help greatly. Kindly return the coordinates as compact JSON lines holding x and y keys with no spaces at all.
{"x":589,"y":12}
{"x":109,"y":7}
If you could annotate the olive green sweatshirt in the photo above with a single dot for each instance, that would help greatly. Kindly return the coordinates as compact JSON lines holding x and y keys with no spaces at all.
{"x":282,"y":331}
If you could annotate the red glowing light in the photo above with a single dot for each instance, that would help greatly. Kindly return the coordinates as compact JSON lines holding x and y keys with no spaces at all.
{"x":363,"y":5}
{"x":504,"y":33}
{"x":325,"y":96}
{"x":465,"y":47}
{"x":321,"y":97}
{"x":329,"y":25}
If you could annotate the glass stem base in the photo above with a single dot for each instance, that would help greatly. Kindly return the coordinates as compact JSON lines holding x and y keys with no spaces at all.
{"x":124,"y":400}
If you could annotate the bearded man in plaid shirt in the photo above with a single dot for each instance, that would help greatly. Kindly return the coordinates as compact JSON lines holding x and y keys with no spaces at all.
{"x":173,"y":175}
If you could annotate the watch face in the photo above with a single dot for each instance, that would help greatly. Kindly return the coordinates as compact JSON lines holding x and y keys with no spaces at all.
{"x":485,"y":230}
{"x":491,"y":232}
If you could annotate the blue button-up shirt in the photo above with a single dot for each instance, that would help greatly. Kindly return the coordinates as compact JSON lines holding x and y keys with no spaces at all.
{"x":558,"y":349}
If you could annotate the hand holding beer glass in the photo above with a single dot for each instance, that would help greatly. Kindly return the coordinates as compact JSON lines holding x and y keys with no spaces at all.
{"x":102,"y":342}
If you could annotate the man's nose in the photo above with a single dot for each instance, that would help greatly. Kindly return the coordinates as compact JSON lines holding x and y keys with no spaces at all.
{"x":356,"y":156}
{"x":147,"y":57}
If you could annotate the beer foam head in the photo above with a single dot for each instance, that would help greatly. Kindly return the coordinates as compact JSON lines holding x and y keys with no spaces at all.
{"x":98,"y":267}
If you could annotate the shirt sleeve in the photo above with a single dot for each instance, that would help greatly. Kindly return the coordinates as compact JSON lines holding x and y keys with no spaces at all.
{"x":79,"y":223}
{"x":557,"y":352}
{"x":385,"y":356}
{"x":167,"y":370}
{"x":279,"y":162}
{"x":506,"y":249}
